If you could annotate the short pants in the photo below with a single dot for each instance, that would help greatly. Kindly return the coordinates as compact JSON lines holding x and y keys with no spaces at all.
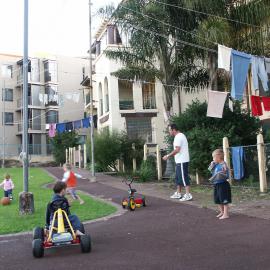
{"x":181,"y":174}
{"x":222,"y":193}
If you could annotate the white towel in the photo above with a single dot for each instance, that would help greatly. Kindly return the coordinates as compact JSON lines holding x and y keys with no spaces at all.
{"x":216,"y":101}
{"x":224,"y":57}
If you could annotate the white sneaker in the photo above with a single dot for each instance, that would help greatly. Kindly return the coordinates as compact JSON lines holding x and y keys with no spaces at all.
{"x":186,"y":197}
{"x":176,"y":195}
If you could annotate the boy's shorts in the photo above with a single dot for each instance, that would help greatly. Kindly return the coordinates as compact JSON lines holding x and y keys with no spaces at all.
{"x":222,"y":193}
{"x":72,"y":192}
{"x":181,"y":174}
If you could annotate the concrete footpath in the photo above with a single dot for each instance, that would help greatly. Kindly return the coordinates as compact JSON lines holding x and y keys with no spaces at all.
{"x":164,"y":235}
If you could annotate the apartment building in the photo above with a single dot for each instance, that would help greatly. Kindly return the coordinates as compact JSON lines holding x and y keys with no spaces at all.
{"x":54,"y":95}
{"x":135,"y":107}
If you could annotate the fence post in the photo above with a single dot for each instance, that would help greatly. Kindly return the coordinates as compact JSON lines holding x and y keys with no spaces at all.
{"x":84,"y":156}
{"x":67,"y":156}
{"x":145,"y":152}
{"x":70,"y":155}
{"x":80,"y":163}
{"x":227,"y":156}
{"x":198,"y":179}
{"x":261,"y":161}
{"x":159,"y":166}
{"x":134,"y":163}
{"x":74,"y":156}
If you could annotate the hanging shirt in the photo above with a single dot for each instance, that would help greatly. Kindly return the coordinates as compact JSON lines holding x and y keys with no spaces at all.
{"x":69,"y":126}
{"x":52,"y":128}
{"x":266,"y":103}
{"x":240,"y":66}
{"x":86,"y":122}
{"x":224,"y":57}
{"x":216,"y":101}
{"x":61,"y":127}
{"x":256,"y":106}
{"x":77,"y":124}
{"x":238,"y":162}
{"x":258,"y":70}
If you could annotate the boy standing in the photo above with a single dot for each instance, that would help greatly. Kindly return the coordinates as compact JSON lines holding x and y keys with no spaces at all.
{"x":181,"y":157}
{"x":222,"y":189}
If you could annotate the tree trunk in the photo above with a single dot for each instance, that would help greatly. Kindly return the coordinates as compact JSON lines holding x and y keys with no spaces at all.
{"x":26,"y":203}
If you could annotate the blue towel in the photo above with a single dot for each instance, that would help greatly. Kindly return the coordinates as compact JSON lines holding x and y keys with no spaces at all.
{"x":69,"y":126}
{"x":61,"y":127}
{"x":240,"y":66}
{"x":77,"y":124}
{"x":238,"y":162}
{"x":86,"y":122}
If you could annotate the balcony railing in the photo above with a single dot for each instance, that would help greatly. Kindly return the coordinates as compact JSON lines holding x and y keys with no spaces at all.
{"x":126,"y":105}
{"x":32,"y":126}
{"x":31,"y":102}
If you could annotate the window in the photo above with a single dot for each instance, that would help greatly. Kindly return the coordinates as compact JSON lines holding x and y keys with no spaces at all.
{"x":51,"y":117}
{"x":8,"y":120}
{"x":148,"y":93}
{"x":50,"y":68}
{"x":7,"y":71}
{"x":52,"y":92}
{"x":35,"y":72}
{"x":7,"y":94}
{"x":139,"y":127}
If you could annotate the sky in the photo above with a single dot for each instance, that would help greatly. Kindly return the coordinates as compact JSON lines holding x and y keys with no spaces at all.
{"x":55,"y":26}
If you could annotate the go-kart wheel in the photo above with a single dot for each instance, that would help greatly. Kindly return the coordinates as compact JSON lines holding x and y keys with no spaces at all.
{"x":124,"y":207}
{"x":131,"y":204}
{"x":86,"y":245}
{"x":82,"y":228}
{"x":38,"y":233}
{"x":38,"y":249}
{"x":143,"y":202}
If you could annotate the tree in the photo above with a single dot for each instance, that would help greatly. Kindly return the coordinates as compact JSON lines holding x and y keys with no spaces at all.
{"x":205,"y":134}
{"x":61,"y":142}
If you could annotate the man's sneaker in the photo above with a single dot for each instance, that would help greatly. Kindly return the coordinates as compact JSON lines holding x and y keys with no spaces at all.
{"x":186,"y":197}
{"x":176,"y":195}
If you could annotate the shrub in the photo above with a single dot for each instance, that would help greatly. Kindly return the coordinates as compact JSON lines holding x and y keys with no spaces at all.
{"x":147,"y":171}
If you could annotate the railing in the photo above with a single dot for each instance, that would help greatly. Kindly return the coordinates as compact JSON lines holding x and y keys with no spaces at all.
{"x":126,"y":105}
{"x":32,"y":126}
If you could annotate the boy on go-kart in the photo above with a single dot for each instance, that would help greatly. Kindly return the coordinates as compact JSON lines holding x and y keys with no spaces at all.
{"x":59,"y":201}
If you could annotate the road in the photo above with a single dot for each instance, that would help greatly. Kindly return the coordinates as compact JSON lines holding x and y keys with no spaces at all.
{"x":165,"y":235}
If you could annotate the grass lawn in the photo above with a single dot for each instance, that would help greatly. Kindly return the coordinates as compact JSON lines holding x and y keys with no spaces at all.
{"x":10,"y":219}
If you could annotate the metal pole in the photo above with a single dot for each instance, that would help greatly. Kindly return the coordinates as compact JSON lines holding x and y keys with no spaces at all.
{"x":25,"y":100}
{"x":91,"y":93}
{"x":4,"y":124}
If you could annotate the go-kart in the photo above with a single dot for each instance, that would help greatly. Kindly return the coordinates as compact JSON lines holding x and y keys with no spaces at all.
{"x":132,"y":201}
{"x":60,"y":233}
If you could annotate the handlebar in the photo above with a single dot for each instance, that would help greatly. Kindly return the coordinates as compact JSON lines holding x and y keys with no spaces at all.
{"x":128,"y":181}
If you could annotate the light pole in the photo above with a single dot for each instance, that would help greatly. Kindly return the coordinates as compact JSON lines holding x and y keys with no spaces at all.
{"x":91,"y":95}
{"x":4,"y":124}
{"x":26,"y":203}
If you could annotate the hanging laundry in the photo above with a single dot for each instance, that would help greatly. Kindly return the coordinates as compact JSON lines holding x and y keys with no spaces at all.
{"x":69,"y":126}
{"x":45,"y":99}
{"x":76,"y":97}
{"x":267,"y":65}
{"x":41,"y":98}
{"x":258,"y":69}
{"x":224,"y":57}
{"x":266,"y":103}
{"x":95,"y":120}
{"x":68,"y":96}
{"x":52,"y":130}
{"x":77,"y":124}
{"x":86,"y":122}
{"x":216,"y":101}
{"x":238,"y":162}
{"x":61,"y":100}
{"x":61,"y":127}
{"x":256,"y":106}
{"x":240,"y":66}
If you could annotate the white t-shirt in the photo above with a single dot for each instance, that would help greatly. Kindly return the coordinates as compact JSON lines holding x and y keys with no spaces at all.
{"x":181,"y":141}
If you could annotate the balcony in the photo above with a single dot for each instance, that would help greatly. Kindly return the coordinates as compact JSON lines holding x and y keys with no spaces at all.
{"x":126,"y":105}
{"x":34,"y":127}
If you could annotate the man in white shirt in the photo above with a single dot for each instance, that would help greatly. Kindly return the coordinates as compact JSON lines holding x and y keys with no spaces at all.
{"x":181,"y":157}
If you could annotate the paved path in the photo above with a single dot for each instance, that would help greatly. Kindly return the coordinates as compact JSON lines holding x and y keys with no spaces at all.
{"x":165,"y":235}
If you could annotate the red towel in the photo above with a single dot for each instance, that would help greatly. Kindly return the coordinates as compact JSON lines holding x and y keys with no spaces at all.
{"x":256,"y":105}
{"x":266,"y":103}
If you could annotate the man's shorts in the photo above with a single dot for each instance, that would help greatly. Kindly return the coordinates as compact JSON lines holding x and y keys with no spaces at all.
{"x":72,"y":192}
{"x":181,"y":174}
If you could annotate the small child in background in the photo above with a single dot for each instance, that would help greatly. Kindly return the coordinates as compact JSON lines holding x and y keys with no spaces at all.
{"x":8,"y":186}
{"x":222,"y":189}
{"x":70,"y":178}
